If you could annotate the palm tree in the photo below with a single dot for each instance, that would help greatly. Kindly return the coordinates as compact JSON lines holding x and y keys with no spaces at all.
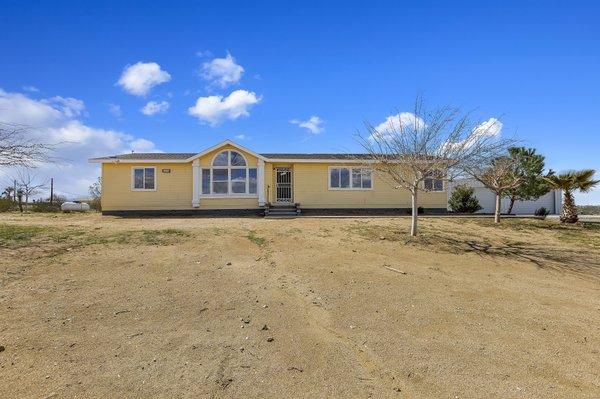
{"x":569,"y":182}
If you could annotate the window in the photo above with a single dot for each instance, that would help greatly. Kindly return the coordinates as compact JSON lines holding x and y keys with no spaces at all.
{"x":220,"y":181}
{"x":252,"y":180}
{"x":434,"y":181}
{"x":205,"y":181}
{"x":144,"y":178}
{"x":229,"y":175}
{"x":238,"y":181}
{"x":350,"y":178}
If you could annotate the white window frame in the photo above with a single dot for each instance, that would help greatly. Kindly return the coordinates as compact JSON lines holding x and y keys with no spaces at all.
{"x":433,"y":190}
{"x":229,"y":168}
{"x":133,"y":168}
{"x":351,"y":187}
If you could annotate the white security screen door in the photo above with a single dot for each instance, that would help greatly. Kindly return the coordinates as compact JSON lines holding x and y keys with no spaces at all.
{"x":284,"y":184}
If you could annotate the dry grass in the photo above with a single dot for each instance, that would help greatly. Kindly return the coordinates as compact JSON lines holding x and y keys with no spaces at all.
{"x":108,"y":307}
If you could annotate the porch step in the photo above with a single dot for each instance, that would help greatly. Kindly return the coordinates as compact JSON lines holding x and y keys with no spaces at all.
{"x":282,"y":211}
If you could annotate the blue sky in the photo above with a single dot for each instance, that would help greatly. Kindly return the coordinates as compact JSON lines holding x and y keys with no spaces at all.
{"x":534,"y":67}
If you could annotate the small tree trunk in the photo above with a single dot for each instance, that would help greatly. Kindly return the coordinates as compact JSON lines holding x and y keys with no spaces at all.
{"x":511,"y":204}
{"x":415,"y":211}
{"x":569,"y":211}
{"x":497,"y":211}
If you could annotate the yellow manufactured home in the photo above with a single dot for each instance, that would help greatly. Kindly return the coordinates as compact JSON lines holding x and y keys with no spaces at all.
{"x":231,"y":179}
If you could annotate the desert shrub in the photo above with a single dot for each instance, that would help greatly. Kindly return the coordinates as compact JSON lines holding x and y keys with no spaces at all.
{"x":463,"y":200}
{"x":95,"y":204}
{"x":45,"y":207}
{"x":7,"y":205}
{"x":541,"y":212}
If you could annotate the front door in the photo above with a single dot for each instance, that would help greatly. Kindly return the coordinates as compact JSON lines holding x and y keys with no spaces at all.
{"x":284,"y":185}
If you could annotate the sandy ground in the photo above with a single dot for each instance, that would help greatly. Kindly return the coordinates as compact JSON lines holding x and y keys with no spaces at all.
{"x":101,"y":307}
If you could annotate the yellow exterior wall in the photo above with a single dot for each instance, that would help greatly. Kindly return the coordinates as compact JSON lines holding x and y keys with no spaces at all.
{"x":310,"y":189}
{"x":206,"y":159}
{"x":173,"y":190}
{"x":269,"y":183}
{"x":227,"y":203}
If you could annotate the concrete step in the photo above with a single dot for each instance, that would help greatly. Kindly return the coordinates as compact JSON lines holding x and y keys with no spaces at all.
{"x":284,"y":210}
{"x":281,"y":216}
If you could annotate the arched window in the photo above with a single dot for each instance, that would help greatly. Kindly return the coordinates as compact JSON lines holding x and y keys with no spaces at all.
{"x":229,"y":175}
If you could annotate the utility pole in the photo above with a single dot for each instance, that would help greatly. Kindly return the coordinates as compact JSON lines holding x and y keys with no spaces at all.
{"x":51,"y":190}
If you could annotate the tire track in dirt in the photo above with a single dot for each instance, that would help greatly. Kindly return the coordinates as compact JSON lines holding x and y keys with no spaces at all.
{"x":377,"y":381}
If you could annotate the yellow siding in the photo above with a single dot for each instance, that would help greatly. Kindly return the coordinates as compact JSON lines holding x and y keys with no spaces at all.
{"x":269,"y":183}
{"x":311,"y":190}
{"x":229,"y":203}
{"x":206,"y":160}
{"x":173,"y":190}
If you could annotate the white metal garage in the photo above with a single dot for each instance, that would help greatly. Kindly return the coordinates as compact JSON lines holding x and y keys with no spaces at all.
{"x":552,"y":201}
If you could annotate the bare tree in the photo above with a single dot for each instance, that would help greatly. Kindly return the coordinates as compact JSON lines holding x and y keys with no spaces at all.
{"x":19,"y":148}
{"x":9,"y":192}
{"x":500,"y":175}
{"x":95,"y":191}
{"x":441,"y":143}
{"x":27,"y":186}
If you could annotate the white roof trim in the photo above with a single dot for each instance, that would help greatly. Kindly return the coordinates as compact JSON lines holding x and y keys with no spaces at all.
{"x":190,"y":159}
{"x":317,"y":160}
{"x":239,"y":147}
{"x":223,"y":144}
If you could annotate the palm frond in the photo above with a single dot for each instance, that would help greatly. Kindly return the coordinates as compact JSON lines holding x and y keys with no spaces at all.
{"x":573,"y":180}
{"x":584,"y":180}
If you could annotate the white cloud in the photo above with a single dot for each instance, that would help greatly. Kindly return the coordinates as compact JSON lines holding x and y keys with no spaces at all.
{"x":115,"y":110}
{"x":222,"y":72}
{"x":31,"y":89}
{"x":203,"y":53}
{"x":314,"y":124}
{"x":54,"y":121}
{"x":490,"y":128}
{"x":215,"y":109}
{"x":241,"y":137}
{"x":70,"y":107}
{"x":139,"y":78}
{"x":142,"y":145}
{"x":18,"y":108}
{"x":154,"y":107}
{"x":394,"y":124}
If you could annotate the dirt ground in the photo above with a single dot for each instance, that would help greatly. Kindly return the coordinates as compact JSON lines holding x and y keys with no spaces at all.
{"x":102,"y":307}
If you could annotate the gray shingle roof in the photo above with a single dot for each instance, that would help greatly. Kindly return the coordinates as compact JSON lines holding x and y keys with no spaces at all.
{"x":315,"y":156}
{"x":151,"y":155}
{"x":185,"y":155}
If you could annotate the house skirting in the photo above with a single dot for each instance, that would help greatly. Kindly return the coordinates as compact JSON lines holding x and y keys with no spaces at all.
{"x":367,"y":211}
{"x":261,"y":211}
{"x":187,"y":212}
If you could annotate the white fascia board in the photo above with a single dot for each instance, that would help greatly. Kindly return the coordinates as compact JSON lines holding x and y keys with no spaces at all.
{"x":316,"y":160}
{"x":222,"y":144}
